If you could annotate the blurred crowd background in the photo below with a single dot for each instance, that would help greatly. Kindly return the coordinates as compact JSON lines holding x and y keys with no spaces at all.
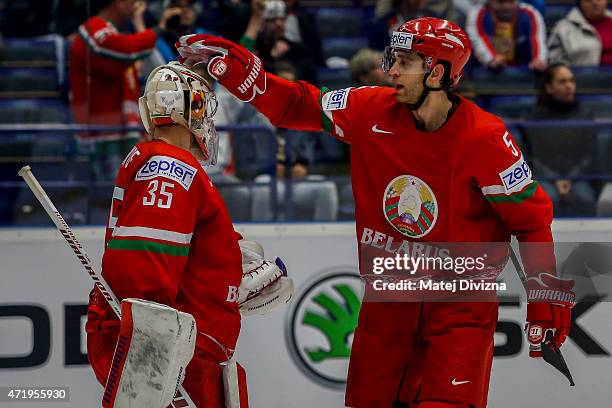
{"x":72,"y":72}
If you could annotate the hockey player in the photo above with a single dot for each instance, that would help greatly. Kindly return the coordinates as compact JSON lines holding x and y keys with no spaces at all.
{"x":473,"y":185}
{"x":170,"y":241}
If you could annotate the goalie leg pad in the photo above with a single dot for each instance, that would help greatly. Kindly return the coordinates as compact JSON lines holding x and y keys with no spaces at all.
{"x":206,"y":382}
{"x":156,"y":342}
{"x":234,"y":385}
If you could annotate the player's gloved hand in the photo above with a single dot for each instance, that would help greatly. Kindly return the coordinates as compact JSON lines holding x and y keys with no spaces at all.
{"x":265,"y":285}
{"x":237,"y":69}
{"x":549,"y":311}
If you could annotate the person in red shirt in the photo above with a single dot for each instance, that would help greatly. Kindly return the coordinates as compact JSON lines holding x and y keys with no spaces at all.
{"x":428,"y":166}
{"x":596,"y":12}
{"x":104,"y":77}
{"x":584,"y":36}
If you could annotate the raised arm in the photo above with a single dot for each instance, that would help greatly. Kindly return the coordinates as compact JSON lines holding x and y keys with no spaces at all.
{"x":286,"y":104}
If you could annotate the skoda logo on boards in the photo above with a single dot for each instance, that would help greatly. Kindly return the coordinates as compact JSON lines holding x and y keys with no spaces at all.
{"x":320,"y":325}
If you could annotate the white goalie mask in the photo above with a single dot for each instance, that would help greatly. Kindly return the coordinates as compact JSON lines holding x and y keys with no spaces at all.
{"x":175,"y":94}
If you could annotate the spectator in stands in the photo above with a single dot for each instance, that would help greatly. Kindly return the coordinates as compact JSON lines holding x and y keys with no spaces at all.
{"x":273,"y":46}
{"x":465,"y":7}
{"x":382,"y":8}
{"x":508,"y":32}
{"x":254,"y":26}
{"x":557,"y":101}
{"x":442,"y":9}
{"x":584,"y":36}
{"x":383,"y":26}
{"x":312,"y":195}
{"x":301,"y":28}
{"x":182,"y":20}
{"x":104,"y":78}
{"x":232,"y":17}
{"x":366,"y":69}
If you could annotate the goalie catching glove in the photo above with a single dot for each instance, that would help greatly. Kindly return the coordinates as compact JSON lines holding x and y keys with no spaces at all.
{"x":237,"y":69}
{"x":549,"y":311}
{"x":265,"y":285}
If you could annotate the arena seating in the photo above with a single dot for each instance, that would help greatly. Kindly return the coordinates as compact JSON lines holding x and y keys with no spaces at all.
{"x":33,"y":92}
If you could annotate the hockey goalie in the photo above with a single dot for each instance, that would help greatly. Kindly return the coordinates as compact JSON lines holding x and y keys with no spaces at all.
{"x":172,"y":256}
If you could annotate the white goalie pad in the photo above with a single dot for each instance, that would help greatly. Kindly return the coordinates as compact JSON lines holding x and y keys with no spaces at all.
{"x":156,"y":342}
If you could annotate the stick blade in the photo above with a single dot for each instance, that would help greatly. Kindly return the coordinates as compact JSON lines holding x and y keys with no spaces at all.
{"x":554,"y":357}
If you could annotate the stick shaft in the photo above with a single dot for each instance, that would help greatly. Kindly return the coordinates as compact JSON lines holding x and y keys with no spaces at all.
{"x":518,"y":267}
{"x":26,"y":173}
{"x":68,"y":235}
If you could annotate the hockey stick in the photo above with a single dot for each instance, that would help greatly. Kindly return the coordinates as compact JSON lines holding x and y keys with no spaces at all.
{"x":551,"y":355}
{"x":181,"y":398}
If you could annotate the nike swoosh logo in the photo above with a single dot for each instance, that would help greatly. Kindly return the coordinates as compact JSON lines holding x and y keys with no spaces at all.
{"x":455,"y":382}
{"x":377,"y":130}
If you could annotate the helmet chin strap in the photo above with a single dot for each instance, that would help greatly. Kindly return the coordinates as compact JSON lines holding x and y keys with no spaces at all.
{"x":424,"y":94}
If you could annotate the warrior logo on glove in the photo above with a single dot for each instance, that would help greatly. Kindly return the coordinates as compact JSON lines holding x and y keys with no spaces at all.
{"x":549,"y":310}
{"x":237,"y":69}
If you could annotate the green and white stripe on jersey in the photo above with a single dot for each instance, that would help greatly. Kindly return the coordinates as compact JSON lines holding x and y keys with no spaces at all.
{"x":497,"y":193}
{"x":331,"y":101}
{"x":150,"y":239}
{"x":109,"y":53}
{"x":325,"y":120}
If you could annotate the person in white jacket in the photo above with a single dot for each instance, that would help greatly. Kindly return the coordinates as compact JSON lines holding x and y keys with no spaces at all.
{"x":575,"y":39}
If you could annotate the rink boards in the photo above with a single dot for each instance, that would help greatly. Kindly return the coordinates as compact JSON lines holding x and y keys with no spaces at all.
{"x":288,"y":357}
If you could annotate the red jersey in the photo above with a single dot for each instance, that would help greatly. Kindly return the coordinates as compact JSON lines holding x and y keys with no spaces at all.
{"x":465,"y":182}
{"x":111,"y":96}
{"x":170,"y":240}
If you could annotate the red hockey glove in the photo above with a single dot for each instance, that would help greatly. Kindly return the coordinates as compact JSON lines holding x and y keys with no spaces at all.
{"x":237,"y":69}
{"x":549,"y":310}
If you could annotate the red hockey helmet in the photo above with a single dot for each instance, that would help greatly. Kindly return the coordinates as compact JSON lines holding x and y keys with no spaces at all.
{"x":439,"y":41}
